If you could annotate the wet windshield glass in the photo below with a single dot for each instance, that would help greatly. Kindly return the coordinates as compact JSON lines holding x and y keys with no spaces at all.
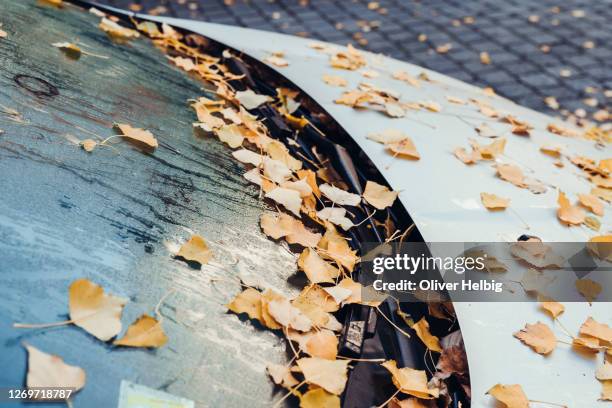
{"x":115,"y":216}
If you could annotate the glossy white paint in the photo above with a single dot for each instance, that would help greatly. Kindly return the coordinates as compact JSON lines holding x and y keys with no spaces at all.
{"x":443,"y":197}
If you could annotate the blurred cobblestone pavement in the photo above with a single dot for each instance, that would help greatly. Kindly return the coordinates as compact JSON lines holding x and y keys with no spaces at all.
{"x":537,"y":49}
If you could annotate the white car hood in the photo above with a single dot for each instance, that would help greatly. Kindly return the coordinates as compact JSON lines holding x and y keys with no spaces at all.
{"x":442,"y":196}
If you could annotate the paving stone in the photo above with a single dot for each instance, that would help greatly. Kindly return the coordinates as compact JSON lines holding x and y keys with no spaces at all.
{"x":519,"y":69}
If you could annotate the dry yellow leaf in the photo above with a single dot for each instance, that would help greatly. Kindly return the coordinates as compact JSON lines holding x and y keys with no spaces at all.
{"x":409,"y":381}
{"x":539,"y":337}
{"x":466,"y":158}
{"x":512,"y":174}
{"x":316,"y":269}
{"x":357,"y":290}
{"x":601,"y":247}
{"x":281,"y":375}
{"x":351,"y":59}
{"x":485,"y":58}
{"x":232,"y":135}
{"x":276,"y":170}
{"x":379,"y":196}
{"x":311,"y":178}
{"x":323,"y":344}
{"x":567,"y":213}
{"x":335,"y":247}
{"x":338,"y":196}
{"x":277,"y":60}
{"x":251,"y":100}
{"x":331,"y":375}
{"x":602,"y":193}
{"x":592,"y":203}
{"x":551,"y":150}
{"x":50,"y":371}
{"x":278,"y":151}
{"x":117,"y":32}
{"x":334,"y":80}
{"x":146,"y":331}
{"x":71,"y":50}
{"x":287,"y":197}
{"x":88,"y":145}
{"x":337,"y":216}
{"x":319,"y":398}
{"x":137,"y":135}
{"x":597,"y":330}
{"x":288,"y":315}
{"x":266,"y":318}
{"x":422,"y":330}
{"x":551,"y":306}
{"x":279,"y":225}
{"x":606,"y":390}
{"x":587,"y":343}
{"x":588,"y":288}
{"x":512,"y":396}
{"x":196,"y":250}
{"x":491,"y":151}
{"x":601,"y":181}
{"x":387,"y":136}
{"x":406,"y":77}
{"x":493,"y":202}
{"x":249,"y":302}
{"x":604,"y":372}
{"x":404,"y":148}
{"x":93,"y":310}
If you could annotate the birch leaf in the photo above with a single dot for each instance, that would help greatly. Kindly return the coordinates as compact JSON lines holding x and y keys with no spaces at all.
{"x":230,"y":135}
{"x":315,"y":268}
{"x":409,"y":381}
{"x":336,"y":216}
{"x":379,"y":196}
{"x":146,"y":331}
{"x":339,"y":196}
{"x":604,"y":372}
{"x":71,"y":50}
{"x":331,"y":375}
{"x":539,"y":337}
{"x":249,"y":302}
{"x":567,"y":213}
{"x":404,"y":148}
{"x":422,"y":330}
{"x":335,"y":80}
{"x":276,"y":170}
{"x":288,"y":315}
{"x":493,"y":202}
{"x":89,"y":144}
{"x":281,"y":225}
{"x":512,"y":396}
{"x":93,"y":310}
{"x":196,"y":250}
{"x":555,"y":309}
{"x":606,"y":390}
{"x":251,"y":100}
{"x":387,"y":136}
{"x":289,"y":198}
{"x":592,"y":203}
{"x":281,"y":375}
{"x":597,"y":330}
{"x":319,"y":398}
{"x":117,"y":32}
{"x":247,"y":156}
{"x":588,"y":288}
{"x":50,"y":371}
{"x":137,"y":135}
{"x":512,"y":174}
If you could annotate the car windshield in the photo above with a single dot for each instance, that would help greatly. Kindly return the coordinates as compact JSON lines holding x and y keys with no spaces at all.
{"x":66,"y":214}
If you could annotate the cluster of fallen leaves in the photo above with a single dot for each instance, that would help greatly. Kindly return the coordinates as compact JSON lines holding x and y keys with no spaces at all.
{"x":99,"y":314}
{"x":315,"y":204}
{"x":593,"y":337}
